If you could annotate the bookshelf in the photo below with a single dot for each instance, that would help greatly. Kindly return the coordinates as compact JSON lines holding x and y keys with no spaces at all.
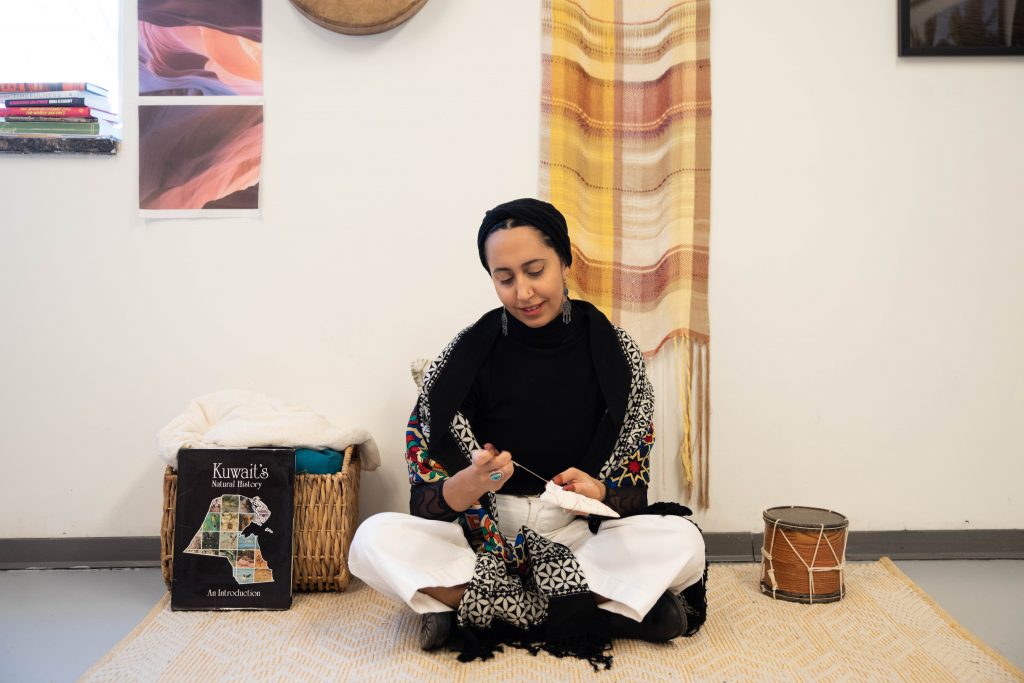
{"x":27,"y":145}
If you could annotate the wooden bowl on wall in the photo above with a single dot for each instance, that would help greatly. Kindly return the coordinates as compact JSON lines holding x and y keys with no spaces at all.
{"x":359,"y":17}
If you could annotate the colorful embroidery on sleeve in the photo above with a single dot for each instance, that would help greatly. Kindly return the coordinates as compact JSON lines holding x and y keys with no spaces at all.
{"x":422,"y":470}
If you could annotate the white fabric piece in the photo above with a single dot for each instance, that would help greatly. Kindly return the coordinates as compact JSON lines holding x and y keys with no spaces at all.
{"x":244,"y":419}
{"x":570,"y":500}
{"x":418,"y":368}
{"x":630,"y":561}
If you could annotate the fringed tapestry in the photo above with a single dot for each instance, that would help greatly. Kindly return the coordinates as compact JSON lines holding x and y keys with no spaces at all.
{"x":626,"y":156}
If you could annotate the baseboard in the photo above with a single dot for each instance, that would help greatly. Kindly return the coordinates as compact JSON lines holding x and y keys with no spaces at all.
{"x":144,"y":551}
{"x":959,"y":544}
{"x":940,"y":544}
{"x":80,"y":553}
{"x":737,"y":546}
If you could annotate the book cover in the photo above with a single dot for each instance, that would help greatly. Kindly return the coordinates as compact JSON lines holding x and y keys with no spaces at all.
{"x":58,"y":127}
{"x":47,"y":119}
{"x":233,"y":529}
{"x":51,"y":112}
{"x":47,"y":87}
{"x":46,"y":102}
{"x":80,"y":98}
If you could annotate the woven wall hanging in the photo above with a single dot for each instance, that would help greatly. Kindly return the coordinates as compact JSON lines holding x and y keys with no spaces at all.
{"x":626,"y":155}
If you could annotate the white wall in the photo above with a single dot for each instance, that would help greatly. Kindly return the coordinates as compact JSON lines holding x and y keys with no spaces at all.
{"x":867,"y":267}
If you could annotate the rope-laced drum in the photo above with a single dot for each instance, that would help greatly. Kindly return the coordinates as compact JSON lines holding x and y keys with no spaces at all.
{"x":804,"y":554}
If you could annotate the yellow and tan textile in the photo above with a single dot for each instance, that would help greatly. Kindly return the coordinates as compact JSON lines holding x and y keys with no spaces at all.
{"x":626,"y":156}
{"x":886,"y":629}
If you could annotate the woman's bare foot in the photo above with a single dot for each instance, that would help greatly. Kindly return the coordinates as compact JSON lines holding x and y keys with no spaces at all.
{"x":449,"y":595}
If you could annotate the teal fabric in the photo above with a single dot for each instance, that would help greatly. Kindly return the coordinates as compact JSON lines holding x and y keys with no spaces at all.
{"x":308,"y":461}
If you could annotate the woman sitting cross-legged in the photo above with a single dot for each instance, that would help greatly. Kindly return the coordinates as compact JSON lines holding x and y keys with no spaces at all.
{"x":561,"y":393}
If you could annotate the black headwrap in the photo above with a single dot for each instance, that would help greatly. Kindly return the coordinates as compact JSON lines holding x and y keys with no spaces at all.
{"x":541,"y":215}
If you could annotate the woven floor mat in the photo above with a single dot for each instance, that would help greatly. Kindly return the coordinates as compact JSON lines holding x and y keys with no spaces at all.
{"x":885,"y":629}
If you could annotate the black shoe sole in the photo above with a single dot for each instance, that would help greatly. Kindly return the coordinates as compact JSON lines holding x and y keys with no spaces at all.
{"x":666,"y":620}
{"x":435,"y":629}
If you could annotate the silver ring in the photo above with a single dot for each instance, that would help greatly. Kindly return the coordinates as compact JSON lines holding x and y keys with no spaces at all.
{"x":497,"y":475}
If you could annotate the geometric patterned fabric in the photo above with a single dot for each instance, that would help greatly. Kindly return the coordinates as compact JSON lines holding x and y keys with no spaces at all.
{"x":885,"y":629}
{"x":509,"y":583}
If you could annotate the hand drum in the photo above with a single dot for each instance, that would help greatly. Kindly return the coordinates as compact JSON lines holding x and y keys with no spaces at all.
{"x":804,"y":554}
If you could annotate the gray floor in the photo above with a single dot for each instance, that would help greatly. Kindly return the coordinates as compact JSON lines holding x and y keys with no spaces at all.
{"x":54,"y":624}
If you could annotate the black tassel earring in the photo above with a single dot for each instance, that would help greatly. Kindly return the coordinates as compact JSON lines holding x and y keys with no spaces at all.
{"x":566,"y":307}
{"x":504,"y":321}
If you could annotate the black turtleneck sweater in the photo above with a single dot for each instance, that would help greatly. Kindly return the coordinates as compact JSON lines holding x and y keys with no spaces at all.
{"x":537,"y":396}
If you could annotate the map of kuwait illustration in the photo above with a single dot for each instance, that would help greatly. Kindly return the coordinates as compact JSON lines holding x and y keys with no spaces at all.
{"x":231,"y":530}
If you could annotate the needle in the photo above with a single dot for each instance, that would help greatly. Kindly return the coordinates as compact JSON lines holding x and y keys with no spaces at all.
{"x":494,"y":451}
{"x":530,"y":471}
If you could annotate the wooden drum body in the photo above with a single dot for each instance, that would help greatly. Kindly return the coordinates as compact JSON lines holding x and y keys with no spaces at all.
{"x":804,"y":554}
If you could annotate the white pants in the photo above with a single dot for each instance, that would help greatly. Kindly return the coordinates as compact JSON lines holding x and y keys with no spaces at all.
{"x":630,"y":561}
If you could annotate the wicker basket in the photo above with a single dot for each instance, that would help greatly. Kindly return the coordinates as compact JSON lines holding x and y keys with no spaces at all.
{"x":326,"y":507}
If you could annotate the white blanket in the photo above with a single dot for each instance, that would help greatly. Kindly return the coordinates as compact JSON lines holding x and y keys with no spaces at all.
{"x":244,"y":419}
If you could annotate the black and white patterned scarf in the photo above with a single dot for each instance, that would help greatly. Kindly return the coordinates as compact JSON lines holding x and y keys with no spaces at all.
{"x":530,"y":591}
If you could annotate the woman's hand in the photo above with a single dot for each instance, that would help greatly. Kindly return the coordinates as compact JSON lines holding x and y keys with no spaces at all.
{"x":470,"y":483}
{"x":487,"y":464}
{"x":582,"y":483}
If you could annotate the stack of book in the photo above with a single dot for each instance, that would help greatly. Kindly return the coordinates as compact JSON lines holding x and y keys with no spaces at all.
{"x":65,"y":110}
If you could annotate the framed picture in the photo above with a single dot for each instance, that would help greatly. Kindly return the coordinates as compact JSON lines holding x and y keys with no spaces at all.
{"x":961,"y":27}
{"x":200,"y":159}
{"x":198,"y":48}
